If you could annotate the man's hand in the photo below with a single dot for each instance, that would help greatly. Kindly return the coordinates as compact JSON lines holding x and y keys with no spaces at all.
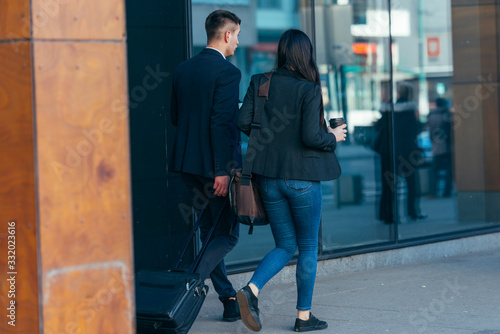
{"x":221,"y":185}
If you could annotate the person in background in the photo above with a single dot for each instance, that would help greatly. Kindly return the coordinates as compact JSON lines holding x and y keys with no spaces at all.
{"x":407,"y":153}
{"x":206,"y":145}
{"x":298,"y":154}
{"x":381,"y":146}
{"x":439,"y":123}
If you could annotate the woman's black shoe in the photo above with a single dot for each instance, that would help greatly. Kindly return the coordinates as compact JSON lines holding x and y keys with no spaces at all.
{"x":249,"y":309}
{"x":313,"y":324}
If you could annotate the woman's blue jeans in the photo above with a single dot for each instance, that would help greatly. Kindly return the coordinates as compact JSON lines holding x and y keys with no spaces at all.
{"x":294,"y":211}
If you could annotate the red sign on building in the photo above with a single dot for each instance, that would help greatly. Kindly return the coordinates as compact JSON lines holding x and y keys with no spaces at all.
{"x":433,"y":47}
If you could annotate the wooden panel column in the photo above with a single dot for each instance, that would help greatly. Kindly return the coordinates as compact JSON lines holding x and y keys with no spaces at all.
{"x":476,"y":28}
{"x":18,"y":269}
{"x":83,"y":166}
{"x":64,"y":132}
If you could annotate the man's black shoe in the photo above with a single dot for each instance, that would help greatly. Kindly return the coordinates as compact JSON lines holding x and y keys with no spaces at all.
{"x":231,"y":310}
{"x":249,"y":309}
{"x":312,"y":324}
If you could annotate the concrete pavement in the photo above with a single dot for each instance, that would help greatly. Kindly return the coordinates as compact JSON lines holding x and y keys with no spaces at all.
{"x":454,"y":295}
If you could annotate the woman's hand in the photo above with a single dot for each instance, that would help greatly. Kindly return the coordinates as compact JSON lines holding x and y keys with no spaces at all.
{"x":340,"y":132}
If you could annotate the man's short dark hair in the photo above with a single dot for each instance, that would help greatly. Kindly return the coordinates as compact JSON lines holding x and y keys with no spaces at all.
{"x":216,"y":21}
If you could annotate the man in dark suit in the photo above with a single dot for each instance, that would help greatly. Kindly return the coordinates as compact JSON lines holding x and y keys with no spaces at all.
{"x":207,"y":144}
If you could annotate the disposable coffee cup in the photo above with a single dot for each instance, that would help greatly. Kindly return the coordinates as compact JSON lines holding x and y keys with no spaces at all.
{"x":334,"y":122}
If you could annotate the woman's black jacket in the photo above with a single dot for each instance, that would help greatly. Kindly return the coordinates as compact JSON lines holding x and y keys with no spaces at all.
{"x":291,"y":145}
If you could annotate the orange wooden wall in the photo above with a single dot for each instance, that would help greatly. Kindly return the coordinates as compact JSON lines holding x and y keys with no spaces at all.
{"x":17,"y":187}
{"x":476,"y":55}
{"x":477,"y":123}
{"x":64,"y":168}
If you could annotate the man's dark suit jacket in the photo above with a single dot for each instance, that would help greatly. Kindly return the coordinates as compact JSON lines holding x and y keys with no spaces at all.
{"x":292,"y":144}
{"x":204,"y":106}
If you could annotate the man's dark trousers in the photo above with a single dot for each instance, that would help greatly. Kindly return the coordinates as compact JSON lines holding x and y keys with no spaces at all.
{"x":225,"y":236}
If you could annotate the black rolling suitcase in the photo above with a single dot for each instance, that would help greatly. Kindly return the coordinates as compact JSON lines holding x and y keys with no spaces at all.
{"x":168,"y":302}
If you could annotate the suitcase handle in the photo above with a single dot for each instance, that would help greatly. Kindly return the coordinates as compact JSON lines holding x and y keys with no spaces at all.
{"x":197,"y":260}
{"x":190,"y":236}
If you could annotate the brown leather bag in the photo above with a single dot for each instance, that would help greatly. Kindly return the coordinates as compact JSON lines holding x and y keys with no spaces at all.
{"x":246,"y":202}
{"x":244,"y":194}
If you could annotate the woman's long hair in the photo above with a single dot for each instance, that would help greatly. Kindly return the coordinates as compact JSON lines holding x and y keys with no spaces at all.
{"x":295,"y":52}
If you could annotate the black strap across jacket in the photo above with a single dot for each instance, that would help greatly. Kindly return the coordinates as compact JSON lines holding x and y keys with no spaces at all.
{"x":291,"y":144}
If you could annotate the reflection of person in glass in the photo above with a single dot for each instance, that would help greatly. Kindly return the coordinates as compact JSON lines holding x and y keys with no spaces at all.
{"x":439,"y":122}
{"x":297,"y":155}
{"x":407,"y":153}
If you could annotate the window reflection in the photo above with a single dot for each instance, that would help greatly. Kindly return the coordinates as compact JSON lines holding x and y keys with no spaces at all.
{"x":352,"y":43}
{"x":439,"y":128}
{"x":419,"y":132}
{"x":425,"y":62}
{"x":408,"y":155}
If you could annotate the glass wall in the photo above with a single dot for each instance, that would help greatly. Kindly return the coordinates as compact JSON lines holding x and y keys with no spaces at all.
{"x":414,"y":83}
{"x":424,"y":62}
{"x":352,"y":54}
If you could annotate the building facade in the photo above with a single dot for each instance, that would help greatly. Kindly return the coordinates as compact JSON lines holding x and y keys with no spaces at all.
{"x":365,"y":50}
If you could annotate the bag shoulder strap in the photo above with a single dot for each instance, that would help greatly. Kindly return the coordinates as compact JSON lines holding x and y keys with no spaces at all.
{"x":261,"y":95}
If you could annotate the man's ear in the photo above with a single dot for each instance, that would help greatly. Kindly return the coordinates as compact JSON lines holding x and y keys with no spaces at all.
{"x":227,"y":35}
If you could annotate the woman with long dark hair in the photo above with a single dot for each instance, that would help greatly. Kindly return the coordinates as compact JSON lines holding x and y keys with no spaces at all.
{"x":295,"y":152}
